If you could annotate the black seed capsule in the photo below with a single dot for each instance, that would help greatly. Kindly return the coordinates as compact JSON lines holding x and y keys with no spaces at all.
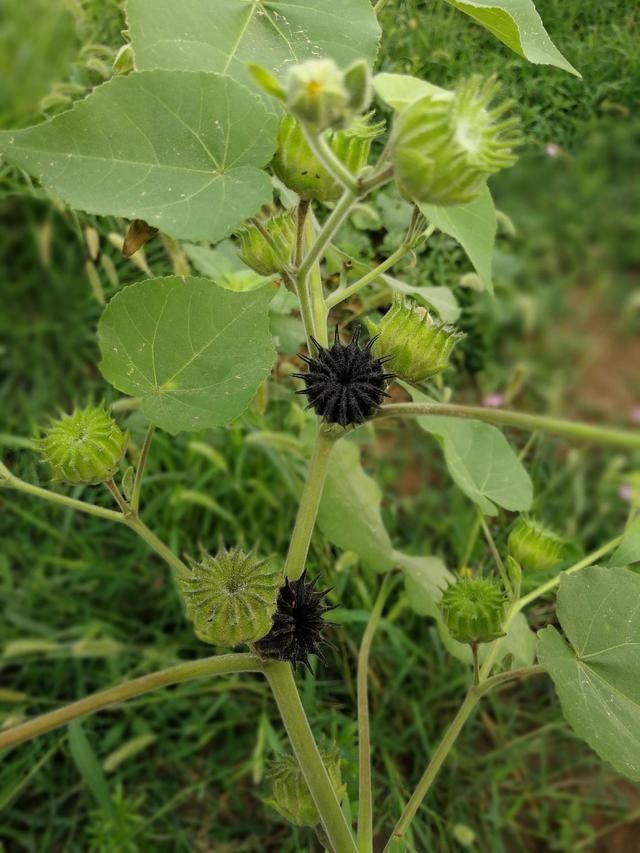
{"x":344,"y":384}
{"x":297,"y":626}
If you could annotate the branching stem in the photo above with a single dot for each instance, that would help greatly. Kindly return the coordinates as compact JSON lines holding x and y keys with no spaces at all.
{"x":142,"y":461}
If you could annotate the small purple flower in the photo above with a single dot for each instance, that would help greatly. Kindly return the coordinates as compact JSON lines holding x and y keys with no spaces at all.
{"x":626,"y":493}
{"x":634,"y":415}
{"x":551,"y":149}
{"x":493,"y":401}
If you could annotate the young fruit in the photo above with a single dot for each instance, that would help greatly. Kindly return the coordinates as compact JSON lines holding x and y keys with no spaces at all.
{"x":473,"y":610}
{"x":535,"y":547}
{"x":419,"y":347}
{"x":298,"y":168}
{"x":344,"y":384}
{"x":230,"y":597}
{"x":446,"y":144}
{"x":268,"y":257}
{"x":290,"y":795}
{"x":85,"y":447}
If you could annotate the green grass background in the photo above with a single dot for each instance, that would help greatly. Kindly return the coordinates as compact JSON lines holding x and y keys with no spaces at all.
{"x":85,"y":605}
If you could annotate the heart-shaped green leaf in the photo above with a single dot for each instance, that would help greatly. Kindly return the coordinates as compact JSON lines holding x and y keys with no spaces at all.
{"x":193,"y":352}
{"x":179,"y":150}
{"x":597,"y":672}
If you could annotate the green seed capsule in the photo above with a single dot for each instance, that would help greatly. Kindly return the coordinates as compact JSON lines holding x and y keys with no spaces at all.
{"x":290,"y":795}
{"x":268,"y":257}
{"x":230,"y":598}
{"x":419,"y":346}
{"x":446,"y":145}
{"x":535,"y":547}
{"x":473,"y":610}
{"x":85,"y":447}
{"x":297,"y":167}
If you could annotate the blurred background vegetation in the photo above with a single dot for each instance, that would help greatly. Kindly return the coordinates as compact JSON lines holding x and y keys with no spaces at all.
{"x":85,"y":605}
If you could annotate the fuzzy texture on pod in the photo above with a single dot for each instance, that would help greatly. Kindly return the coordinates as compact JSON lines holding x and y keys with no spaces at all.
{"x":298,"y":623}
{"x":345,"y":384}
{"x":535,"y":547}
{"x":230,"y":598}
{"x":298,"y":168}
{"x":419,"y":346}
{"x":446,"y":145}
{"x":473,"y":610}
{"x":85,"y":447}
{"x":290,"y":795}
{"x":264,"y":256}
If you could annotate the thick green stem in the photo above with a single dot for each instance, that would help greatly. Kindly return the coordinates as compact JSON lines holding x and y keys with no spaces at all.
{"x":332,"y":163}
{"x":365,"y":798}
{"x":309,"y":504}
{"x":519,"y":420}
{"x":444,"y":747}
{"x":326,"y":233}
{"x":221,"y":665}
{"x":154,"y":543}
{"x":284,"y":689}
{"x":314,"y":287}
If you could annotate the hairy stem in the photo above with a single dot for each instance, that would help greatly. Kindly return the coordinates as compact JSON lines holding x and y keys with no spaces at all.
{"x":331,"y":162}
{"x":327,"y":233}
{"x":346,"y":293}
{"x":142,"y":461}
{"x":444,"y":747}
{"x":280,"y":678}
{"x":221,"y":665}
{"x":156,"y":544}
{"x":314,"y":287}
{"x":365,"y":800}
{"x":608,"y":436}
{"x":309,"y":504}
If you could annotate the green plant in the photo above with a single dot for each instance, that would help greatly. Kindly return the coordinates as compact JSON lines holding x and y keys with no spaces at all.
{"x":193,"y":355}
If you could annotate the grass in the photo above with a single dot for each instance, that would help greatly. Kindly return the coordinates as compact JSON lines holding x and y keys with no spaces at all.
{"x":85,"y":605}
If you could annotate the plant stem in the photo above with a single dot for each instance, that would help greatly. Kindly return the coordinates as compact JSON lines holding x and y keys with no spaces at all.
{"x":608,"y":436}
{"x":220,"y":665}
{"x":365,"y":807}
{"x":347,"y":292}
{"x":281,"y":681}
{"x":444,"y":747}
{"x":544,"y":588}
{"x":327,"y":232}
{"x":314,"y":287}
{"x":118,"y":497}
{"x":323,"y":152}
{"x":157,"y":545}
{"x":142,"y":461}
{"x":495,"y":554}
{"x":309,"y":504}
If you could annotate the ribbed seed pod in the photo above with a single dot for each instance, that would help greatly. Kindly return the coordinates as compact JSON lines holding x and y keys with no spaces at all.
{"x":290,"y":795}
{"x":345,"y":384}
{"x":85,"y":447}
{"x":230,"y":597}
{"x":535,"y":547}
{"x":473,"y":610}
{"x":419,"y":347}
{"x":264,"y":256}
{"x":297,"y":167}
{"x":446,"y":145}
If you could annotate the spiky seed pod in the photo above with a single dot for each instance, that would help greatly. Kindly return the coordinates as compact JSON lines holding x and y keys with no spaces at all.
{"x":446,"y":145}
{"x":345,"y":384}
{"x":264,"y":256}
{"x":230,"y":597}
{"x":419,"y":346}
{"x":85,"y":447}
{"x":298,"y":168}
{"x":297,"y":626}
{"x":290,"y":795}
{"x":473,"y":610}
{"x":535,"y":547}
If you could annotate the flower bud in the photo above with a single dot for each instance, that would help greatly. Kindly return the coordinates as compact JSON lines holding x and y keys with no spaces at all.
{"x":85,"y":447}
{"x":446,"y":144}
{"x":317,"y":95}
{"x":473,"y":610}
{"x":535,"y":547}
{"x":268,"y":256}
{"x":290,"y":795}
{"x":419,"y":346}
{"x":298,"y":168}
{"x":230,"y":598}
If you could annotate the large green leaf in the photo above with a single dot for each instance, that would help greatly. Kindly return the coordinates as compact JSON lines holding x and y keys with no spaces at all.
{"x":227,"y":35}
{"x":193,"y":352}
{"x":518,"y":25}
{"x":180,"y":150}
{"x":629,"y":549}
{"x":472,"y":225}
{"x":399,"y":90}
{"x":597,"y":672}
{"x":349,"y":514}
{"x":481,"y":461}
